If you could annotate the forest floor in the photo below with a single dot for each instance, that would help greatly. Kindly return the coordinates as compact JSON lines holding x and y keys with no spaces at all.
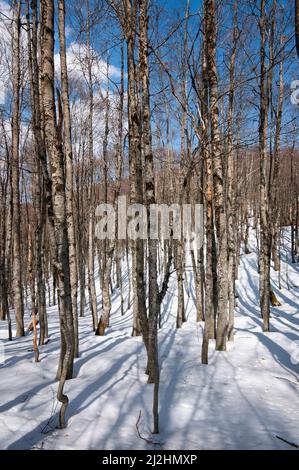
{"x":243,"y":399}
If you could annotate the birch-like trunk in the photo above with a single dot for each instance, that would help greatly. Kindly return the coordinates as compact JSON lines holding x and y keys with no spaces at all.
{"x":218,"y":184}
{"x":43,"y":186}
{"x":68,"y":153}
{"x":53,"y":141}
{"x":265,"y":246}
{"x":149,"y":180}
{"x":231,"y":236}
{"x":15,"y":176}
{"x":91,"y":191}
{"x":209,"y":327}
{"x":135,"y":168}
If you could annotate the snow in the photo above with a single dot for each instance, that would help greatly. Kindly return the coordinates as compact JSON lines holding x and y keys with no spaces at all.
{"x":243,"y":399}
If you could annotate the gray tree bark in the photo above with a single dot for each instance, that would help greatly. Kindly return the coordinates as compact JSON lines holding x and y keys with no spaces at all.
{"x":15,"y":176}
{"x":265,"y":245}
{"x":53,"y":142}
{"x":68,"y":152}
{"x":218,"y":184}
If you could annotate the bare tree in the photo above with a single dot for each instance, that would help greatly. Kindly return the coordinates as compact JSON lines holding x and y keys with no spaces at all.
{"x":218,"y":184}
{"x":43,"y":184}
{"x":54,"y":147}
{"x":265,"y":246}
{"x":15,"y":175}
{"x":68,"y":152}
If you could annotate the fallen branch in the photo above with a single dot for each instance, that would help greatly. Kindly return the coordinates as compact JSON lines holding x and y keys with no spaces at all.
{"x":50,"y":429}
{"x":287,"y":442}
{"x":288,"y":380}
{"x":148,"y":441}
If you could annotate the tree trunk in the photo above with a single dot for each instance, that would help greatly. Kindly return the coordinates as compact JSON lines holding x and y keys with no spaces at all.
{"x":68,"y":152}
{"x":43,"y":186}
{"x":230,"y":188}
{"x":91,"y":195}
{"x":53,"y":141}
{"x":218,"y":185}
{"x":135,"y":168}
{"x":15,"y":177}
{"x":154,"y":304}
{"x":209,"y":328}
{"x":265,"y":246}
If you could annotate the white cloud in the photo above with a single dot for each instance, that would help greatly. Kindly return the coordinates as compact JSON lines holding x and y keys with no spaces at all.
{"x":6,"y":14}
{"x":6,"y":25}
{"x":68,"y":31}
{"x":5,"y":48}
{"x":77,"y":55}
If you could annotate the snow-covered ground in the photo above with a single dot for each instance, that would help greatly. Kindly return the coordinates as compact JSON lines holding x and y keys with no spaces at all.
{"x":242,"y":400}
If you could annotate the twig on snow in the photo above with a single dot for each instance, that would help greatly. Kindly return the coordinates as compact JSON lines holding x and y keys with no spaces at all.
{"x":287,"y":442}
{"x":148,"y":441}
{"x":288,"y":380}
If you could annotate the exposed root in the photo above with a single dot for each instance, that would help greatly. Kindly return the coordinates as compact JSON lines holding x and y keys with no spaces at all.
{"x":100,"y":331}
{"x":148,"y":441}
{"x":274,"y":300}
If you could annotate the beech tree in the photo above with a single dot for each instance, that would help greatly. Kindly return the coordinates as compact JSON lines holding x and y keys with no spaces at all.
{"x":15,"y":175}
{"x":54,"y":146}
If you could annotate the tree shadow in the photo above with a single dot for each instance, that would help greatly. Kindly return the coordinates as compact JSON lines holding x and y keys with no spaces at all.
{"x":112,"y":343}
{"x":22,"y":398}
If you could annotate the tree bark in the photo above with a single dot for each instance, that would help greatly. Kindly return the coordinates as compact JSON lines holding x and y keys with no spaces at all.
{"x":15,"y":177}
{"x":68,"y":153}
{"x":43,"y":186}
{"x":231,"y":187}
{"x":218,"y":184}
{"x":53,"y":141}
{"x":265,"y":246}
